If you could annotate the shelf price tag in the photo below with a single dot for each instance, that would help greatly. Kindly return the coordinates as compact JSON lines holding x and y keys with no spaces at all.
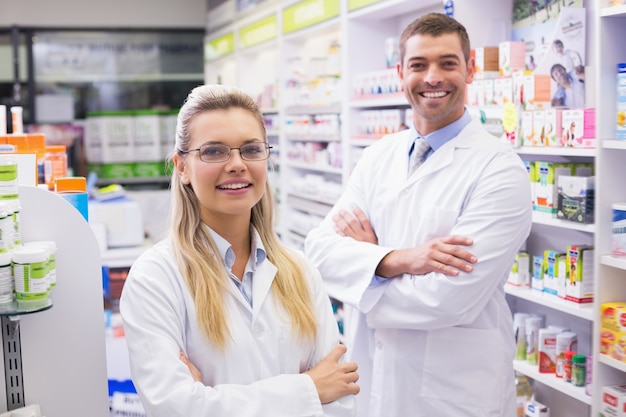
{"x":259,"y":32}
{"x":219,"y":47}
{"x":308,"y":13}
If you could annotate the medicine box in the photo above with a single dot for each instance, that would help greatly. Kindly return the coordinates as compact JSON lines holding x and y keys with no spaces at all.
{"x":579,"y":287}
{"x":621,"y":101}
{"x":545,"y":185}
{"x":578,"y":128}
{"x":536,"y":282}
{"x":551,"y":271}
{"x":613,"y":402}
{"x":553,"y":127}
{"x":511,"y":57}
{"x":520,"y":271}
{"x":536,"y":91}
{"x":486,"y":62}
{"x":576,"y":199}
{"x":533,"y":408}
{"x":613,"y":330}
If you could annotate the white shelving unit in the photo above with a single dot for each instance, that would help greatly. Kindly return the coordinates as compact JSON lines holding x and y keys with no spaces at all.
{"x":361,"y":32}
{"x":610,"y":273}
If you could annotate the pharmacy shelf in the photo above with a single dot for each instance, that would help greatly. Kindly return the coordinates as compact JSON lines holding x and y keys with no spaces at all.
{"x":584,"y":311}
{"x":319,"y":168}
{"x":614,"y":261}
{"x":614,"y":11}
{"x":607,"y":360}
{"x":547,"y":220}
{"x":614,"y":144}
{"x":383,"y":100}
{"x":552,"y":381}
{"x":556,"y":151}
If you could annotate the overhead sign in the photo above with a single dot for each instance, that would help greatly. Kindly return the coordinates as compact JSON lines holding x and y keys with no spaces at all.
{"x":80,"y":55}
{"x":308,"y":13}
{"x":259,"y":32}
{"x":219,"y":47}
{"x":357,"y":4}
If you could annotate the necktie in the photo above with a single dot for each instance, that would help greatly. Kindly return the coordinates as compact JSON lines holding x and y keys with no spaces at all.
{"x":420,"y":148}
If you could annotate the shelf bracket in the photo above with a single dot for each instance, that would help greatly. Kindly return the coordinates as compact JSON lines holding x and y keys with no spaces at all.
{"x":12,"y":362}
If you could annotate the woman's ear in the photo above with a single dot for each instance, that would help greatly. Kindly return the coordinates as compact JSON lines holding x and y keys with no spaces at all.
{"x":179,"y":166}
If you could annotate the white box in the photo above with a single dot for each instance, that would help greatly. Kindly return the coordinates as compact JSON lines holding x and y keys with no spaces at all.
{"x":535,"y":409}
{"x":613,"y":403}
{"x":147,"y":136}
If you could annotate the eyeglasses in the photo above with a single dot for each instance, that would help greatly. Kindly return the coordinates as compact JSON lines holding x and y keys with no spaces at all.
{"x":218,"y":152}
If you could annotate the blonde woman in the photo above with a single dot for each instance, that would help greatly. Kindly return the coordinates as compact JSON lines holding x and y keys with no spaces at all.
{"x":248,"y":317}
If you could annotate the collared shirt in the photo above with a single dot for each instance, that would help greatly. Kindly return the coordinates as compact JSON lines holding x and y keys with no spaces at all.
{"x":440,"y":137}
{"x":257,"y":256}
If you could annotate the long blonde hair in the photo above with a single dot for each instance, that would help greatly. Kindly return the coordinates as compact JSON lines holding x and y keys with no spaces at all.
{"x":197,"y":254}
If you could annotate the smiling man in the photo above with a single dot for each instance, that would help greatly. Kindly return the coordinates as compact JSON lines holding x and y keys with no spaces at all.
{"x":421,"y":242}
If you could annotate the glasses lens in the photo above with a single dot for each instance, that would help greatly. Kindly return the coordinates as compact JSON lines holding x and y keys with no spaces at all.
{"x":256,"y":151}
{"x":214,"y":153}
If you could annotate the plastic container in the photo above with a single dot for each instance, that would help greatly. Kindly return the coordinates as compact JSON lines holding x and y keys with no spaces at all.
{"x":3,"y":120}
{"x":524,"y":392}
{"x":30,"y":276}
{"x":74,"y":190}
{"x":17,"y":119}
{"x":567,"y":365}
{"x":54,"y":164}
{"x":51,"y":249}
{"x":579,"y":370}
{"x":618,"y":230}
{"x":8,"y":178}
{"x":7,"y":286}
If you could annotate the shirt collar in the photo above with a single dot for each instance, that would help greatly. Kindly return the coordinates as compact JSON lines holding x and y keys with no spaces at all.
{"x":440,"y":137}
{"x":228,"y":256}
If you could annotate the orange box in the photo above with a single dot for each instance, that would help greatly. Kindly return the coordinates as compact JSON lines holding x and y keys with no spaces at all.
{"x":536,"y":91}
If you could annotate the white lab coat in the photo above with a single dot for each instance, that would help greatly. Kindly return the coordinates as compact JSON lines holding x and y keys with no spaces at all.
{"x":431,"y":345}
{"x":259,"y":374}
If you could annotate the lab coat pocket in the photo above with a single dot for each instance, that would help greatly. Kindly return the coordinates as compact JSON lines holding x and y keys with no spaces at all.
{"x":465,"y":366}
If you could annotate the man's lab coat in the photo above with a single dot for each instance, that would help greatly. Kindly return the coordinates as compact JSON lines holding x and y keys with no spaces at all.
{"x":431,"y":345}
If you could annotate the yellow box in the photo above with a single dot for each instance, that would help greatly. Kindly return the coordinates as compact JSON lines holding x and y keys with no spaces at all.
{"x":613,"y":330}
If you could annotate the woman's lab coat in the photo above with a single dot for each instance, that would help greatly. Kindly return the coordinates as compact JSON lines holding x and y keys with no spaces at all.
{"x":431,"y":345}
{"x":259,"y":372}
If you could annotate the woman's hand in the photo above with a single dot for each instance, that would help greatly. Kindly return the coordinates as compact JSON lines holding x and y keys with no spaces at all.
{"x":332,"y":379}
{"x":195,"y":373}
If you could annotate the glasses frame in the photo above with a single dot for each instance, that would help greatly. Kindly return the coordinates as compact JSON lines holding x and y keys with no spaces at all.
{"x":266,"y":145}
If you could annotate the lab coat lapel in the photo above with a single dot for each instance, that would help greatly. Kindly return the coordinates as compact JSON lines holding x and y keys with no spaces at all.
{"x":261,"y":285}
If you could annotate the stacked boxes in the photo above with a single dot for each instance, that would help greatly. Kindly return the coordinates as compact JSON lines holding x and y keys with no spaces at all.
{"x":129,"y":144}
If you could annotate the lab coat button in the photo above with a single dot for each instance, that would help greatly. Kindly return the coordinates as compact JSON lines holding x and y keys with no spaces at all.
{"x":257,"y":329}
{"x":379,"y":344}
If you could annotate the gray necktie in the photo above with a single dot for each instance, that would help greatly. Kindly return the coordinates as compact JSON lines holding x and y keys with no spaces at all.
{"x":420,"y":148}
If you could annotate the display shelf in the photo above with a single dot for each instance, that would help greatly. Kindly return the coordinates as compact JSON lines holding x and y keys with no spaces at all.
{"x":383,"y":100}
{"x":614,"y":363}
{"x":555,"y":151}
{"x":309,"y":206}
{"x":313,"y":110}
{"x":539,"y":218}
{"x":12,"y":309}
{"x":618,"y":262}
{"x":318,"y":168}
{"x":613,"y":11}
{"x":552,"y":381}
{"x":584,"y":311}
{"x":614,"y":144}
